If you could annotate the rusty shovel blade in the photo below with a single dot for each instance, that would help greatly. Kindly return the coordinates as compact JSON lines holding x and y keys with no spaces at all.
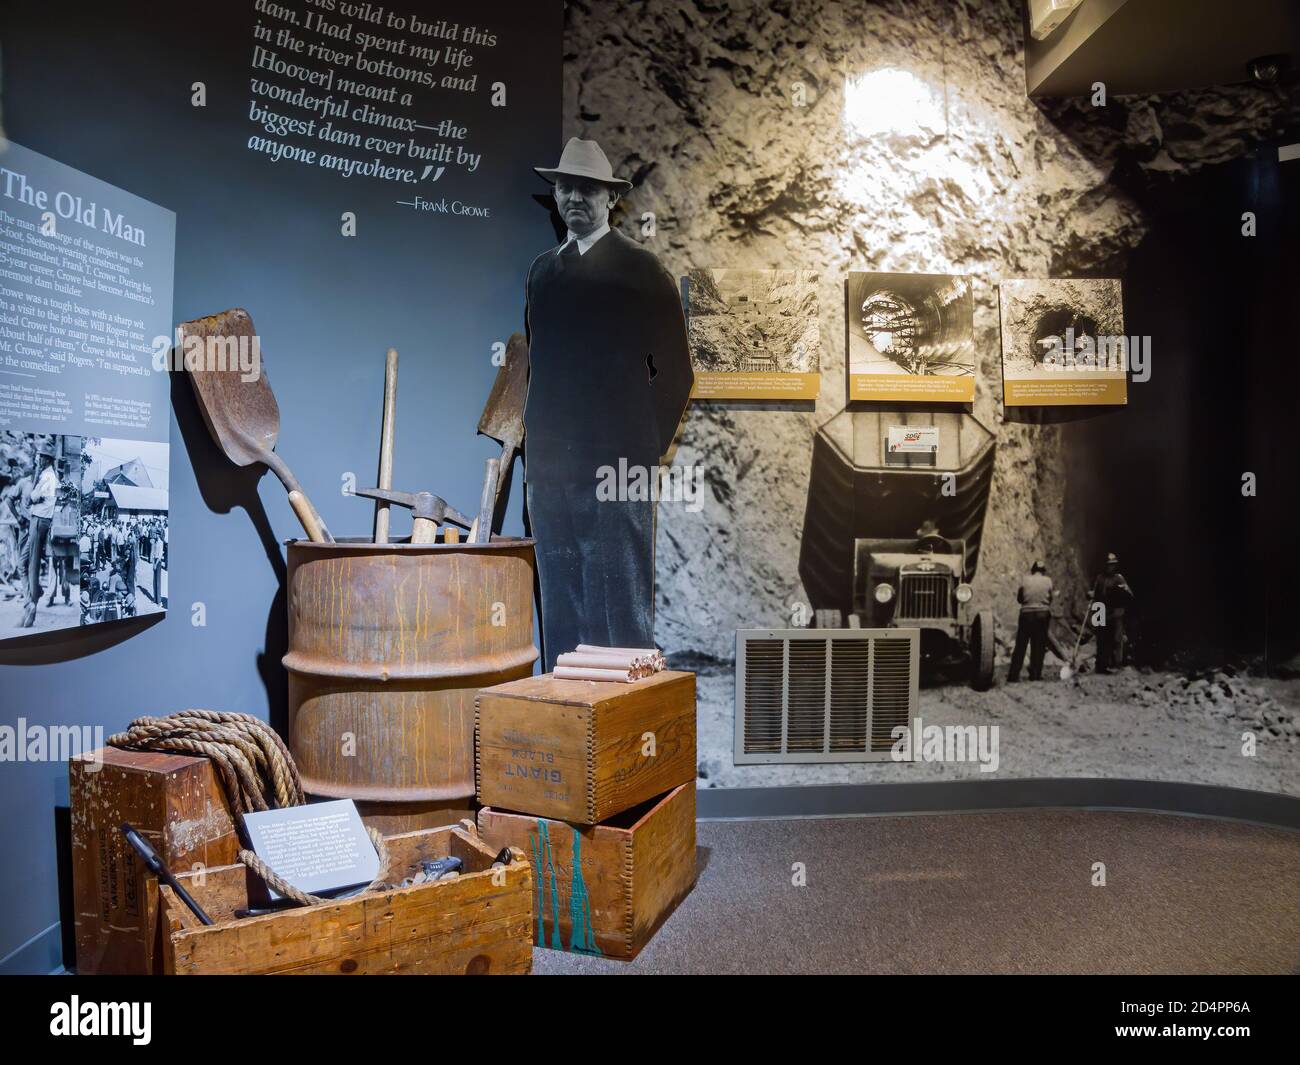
{"x":242,"y":415}
{"x":503,"y":414}
{"x":503,"y":419}
{"x":223,"y":358}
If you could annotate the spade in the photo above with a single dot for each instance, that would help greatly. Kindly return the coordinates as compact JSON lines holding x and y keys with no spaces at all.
{"x":503,"y":416}
{"x":239,"y":408}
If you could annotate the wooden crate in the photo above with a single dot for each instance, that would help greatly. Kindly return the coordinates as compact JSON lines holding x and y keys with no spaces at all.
{"x":479,"y":922}
{"x":580,"y":750}
{"x":177,"y":804}
{"x":604,"y":889}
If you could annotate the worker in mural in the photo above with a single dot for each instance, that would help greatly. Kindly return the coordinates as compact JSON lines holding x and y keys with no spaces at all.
{"x":1035,"y":597}
{"x":1112,"y":591}
{"x":11,"y":560}
{"x":41,"y":504}
{"x":609,"y":377}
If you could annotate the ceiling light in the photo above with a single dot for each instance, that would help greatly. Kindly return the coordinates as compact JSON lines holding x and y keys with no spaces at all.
{"x":1046,"y":15}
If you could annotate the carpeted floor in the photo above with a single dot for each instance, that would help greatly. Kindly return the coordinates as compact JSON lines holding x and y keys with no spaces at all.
{"x":981,"y":893}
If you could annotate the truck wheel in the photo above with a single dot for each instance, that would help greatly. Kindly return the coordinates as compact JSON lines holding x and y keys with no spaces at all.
{"x":981,"y":651}
{"x":828,"y":619}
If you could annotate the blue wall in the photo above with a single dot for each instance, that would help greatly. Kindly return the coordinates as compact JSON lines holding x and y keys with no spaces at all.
{"x":106,"y":89}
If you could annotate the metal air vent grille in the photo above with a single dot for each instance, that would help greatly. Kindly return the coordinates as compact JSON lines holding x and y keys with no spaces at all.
{"x":810,"y":695}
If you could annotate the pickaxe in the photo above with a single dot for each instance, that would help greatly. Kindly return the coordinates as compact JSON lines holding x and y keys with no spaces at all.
{"x":430,"y":511}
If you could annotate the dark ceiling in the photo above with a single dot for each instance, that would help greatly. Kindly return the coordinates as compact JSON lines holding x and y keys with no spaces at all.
{"x":1146,"y":46}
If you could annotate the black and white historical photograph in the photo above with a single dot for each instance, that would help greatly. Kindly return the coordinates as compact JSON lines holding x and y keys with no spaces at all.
{"x":914,"y":324}
{"x":40,"y":504}
{"x":123,"y":535}
{"x":753,"y":321}
{"x":1062,"y":329}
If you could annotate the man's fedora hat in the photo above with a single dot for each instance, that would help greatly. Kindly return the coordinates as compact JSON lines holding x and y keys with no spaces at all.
{"x":584,"y":159}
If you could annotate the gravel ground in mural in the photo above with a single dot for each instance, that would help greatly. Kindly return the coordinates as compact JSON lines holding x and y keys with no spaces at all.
{"x":1133,"y":724}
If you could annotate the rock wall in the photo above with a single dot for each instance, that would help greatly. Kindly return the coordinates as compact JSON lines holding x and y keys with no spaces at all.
{"x":829,"y":136}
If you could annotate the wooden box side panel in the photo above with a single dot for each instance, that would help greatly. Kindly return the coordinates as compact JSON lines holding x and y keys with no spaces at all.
{"x":478,"y":923}
{"x":534,"y":757}
{"x":581,"y":881}
{"x":177,"y":804}
{"x":643,"y":745}
{"x":663,"y":862}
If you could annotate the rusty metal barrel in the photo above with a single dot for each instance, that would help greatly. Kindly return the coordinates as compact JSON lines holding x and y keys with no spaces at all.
{"x":388,"y":645}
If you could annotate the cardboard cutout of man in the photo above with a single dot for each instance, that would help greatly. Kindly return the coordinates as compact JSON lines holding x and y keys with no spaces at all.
{"x":609,"y":378}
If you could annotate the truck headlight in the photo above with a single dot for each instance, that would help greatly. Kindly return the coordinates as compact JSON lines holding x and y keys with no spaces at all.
{"x":884,"y":592}
{"x":965,"y":593}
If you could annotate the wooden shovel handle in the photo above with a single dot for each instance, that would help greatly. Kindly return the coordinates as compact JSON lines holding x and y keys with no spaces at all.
{"x":307,"y":514}
{"x":311,"y":521}
{"x":424,"y":531}
{"x":386,"y":445}
{"x":481,"y":532}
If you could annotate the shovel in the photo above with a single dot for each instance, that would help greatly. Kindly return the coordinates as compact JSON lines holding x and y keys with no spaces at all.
{"x":242,"y":415}
{"x":503,"y":416}
{"x":1067,"y":670}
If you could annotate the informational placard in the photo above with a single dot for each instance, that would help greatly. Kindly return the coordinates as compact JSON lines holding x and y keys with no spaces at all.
{"x":912,"y":445}
{"x":910,"y":338}
{"x":1063,"y":342}
{"x":321,"y":848}
{"x":754,"y":334}
{"x":85,"y":288}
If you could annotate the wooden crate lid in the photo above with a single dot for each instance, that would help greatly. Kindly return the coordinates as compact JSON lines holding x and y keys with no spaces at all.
{"x":547,"y":689}
{"x":140,"y":761}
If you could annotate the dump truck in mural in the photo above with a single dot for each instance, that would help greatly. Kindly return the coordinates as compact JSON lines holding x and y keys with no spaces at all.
{"x":898,"y":546}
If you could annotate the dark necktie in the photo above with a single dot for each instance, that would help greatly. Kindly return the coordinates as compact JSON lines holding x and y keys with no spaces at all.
{"x":570,"y":251}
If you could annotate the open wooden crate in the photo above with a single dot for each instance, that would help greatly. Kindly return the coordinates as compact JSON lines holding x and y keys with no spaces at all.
{"x":479,"y":922}
{"x":604,"y":889}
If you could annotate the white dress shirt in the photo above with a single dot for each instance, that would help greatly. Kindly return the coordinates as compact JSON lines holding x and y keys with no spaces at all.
{"x":43,"y":495}
{"x":584,"y":242}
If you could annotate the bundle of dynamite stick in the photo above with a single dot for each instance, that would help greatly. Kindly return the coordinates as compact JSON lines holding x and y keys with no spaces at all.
{"x":622,"y":665}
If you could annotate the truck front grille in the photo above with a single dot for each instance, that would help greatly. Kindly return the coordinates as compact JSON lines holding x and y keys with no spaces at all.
{"x":924,"y":595}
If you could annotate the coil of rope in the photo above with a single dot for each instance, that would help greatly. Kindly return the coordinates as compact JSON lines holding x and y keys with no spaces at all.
{"x":257,"y":772}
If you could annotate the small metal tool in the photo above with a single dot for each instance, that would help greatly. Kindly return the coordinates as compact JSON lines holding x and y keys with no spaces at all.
{"x":159,"y":869}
